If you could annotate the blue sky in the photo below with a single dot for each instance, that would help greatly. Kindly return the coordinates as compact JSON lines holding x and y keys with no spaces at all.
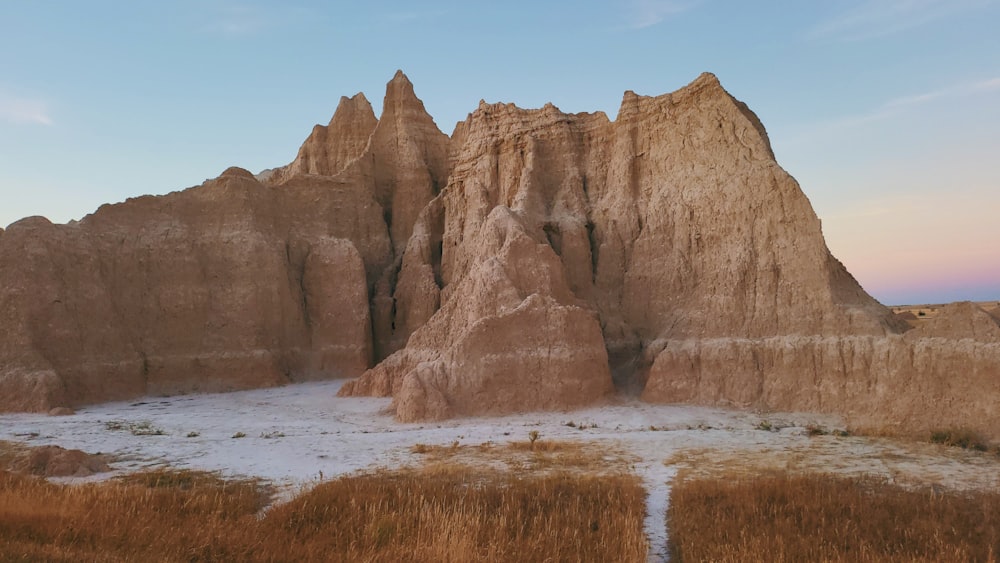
{"x":886,"y":111}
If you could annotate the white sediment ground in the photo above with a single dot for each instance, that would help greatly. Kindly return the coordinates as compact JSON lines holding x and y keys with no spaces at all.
{"x":297,"y":435}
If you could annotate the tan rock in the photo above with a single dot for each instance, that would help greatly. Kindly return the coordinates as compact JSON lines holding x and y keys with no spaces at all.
{"x":409,"y":157}
{"x":55,"y":461}
{"x":209,"y":289}
{"x":995,"y":312}
{"x":401,"y":166}
{"x":960,"y":320}
{"x":329,"y":149}
{"x":336,"y":308}
{"x":511,"y":337}
{"x":897,"y":384}
{"x":534,"y":260}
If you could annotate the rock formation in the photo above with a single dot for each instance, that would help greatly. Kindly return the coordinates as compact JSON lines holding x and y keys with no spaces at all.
{"x":533,"y":260}
{"x":55,"y":461}
{"x":995,"y":312}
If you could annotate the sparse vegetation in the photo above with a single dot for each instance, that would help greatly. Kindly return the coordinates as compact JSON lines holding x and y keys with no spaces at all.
{"x":816,"y":430}
{"x":240,"y":435}
{"x":193,"y":434}
{"x":445,"y":513}
{"x":777,"y":517}
{"x":527,"y":457}
{"x":766,"y":426}
{"x":144,"y":428}
{"x":960,"y":438}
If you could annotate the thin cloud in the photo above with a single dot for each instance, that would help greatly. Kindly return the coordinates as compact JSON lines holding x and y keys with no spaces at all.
{"x":955,"y":91}
{"x":236,"y":20}
{"x":896,"y":106}
{"x":647,"y":13}
{"x":24,"y":110}
{"x":879,"y":18}
{"x":899,"y":106}
{"x":411,"y":16}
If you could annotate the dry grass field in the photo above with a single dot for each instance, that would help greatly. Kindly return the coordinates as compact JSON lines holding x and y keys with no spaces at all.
{"x":443,"y":512}
{"x":779,"y":518}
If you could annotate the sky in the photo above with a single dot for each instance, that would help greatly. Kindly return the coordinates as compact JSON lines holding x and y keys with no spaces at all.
{"x":887,"y":112}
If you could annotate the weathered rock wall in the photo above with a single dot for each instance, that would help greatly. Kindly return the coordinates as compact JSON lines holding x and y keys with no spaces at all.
{"x":941,"y":375}
{"x":533,"y":260}
{"x":203,"y":290}
{"x":672,"y":222}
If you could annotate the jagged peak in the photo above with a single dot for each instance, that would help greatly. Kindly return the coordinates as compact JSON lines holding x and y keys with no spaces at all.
{"x":400,"y":76}
{"x":399,"y":89}
{"x":706,"y":87}
{"x":355,"y":107}
{"x":354,"y":102}
{"x":707,"y":84}
{"x":706,"y":79}
{"x":400,"y":99}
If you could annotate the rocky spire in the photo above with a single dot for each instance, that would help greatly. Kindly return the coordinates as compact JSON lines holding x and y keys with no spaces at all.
{"x":410,"y":158}
{"x":330,"y":148}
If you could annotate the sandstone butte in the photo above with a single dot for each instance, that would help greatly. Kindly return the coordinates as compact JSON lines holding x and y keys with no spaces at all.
{"x":532,"y":260}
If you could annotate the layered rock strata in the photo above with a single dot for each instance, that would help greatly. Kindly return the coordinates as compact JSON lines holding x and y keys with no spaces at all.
{"x":533,"y":260}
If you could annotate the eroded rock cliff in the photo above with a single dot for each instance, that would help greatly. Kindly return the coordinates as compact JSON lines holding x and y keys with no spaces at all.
{"x":533,"y":260}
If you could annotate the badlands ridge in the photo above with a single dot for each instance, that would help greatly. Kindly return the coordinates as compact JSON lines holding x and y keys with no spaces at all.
{"x":532,"y":260}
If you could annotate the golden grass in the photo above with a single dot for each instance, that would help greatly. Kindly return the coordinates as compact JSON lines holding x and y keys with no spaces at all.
{"x":443,"y":513}
{"x":465,"y":514}
{"x":778,"y":517}
{"x":160,"y":516}
{"x":9,"y":453}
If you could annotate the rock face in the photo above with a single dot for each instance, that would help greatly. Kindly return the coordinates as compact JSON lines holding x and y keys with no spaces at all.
{"x":533,"y":260}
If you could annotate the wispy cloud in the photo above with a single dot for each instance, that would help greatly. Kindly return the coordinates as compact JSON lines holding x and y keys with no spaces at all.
{"x":954,"y":91}
{"x":902,"y":104}
{"x":647,"y":13}
{"x":410,"y":16}
{"x":895,"y":108}
{"x":24,"y":110}
{"x":871,"y":19}
{"x":236,"y":20}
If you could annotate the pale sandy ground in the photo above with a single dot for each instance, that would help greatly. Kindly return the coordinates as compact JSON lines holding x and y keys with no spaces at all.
{"x":299,"y":434}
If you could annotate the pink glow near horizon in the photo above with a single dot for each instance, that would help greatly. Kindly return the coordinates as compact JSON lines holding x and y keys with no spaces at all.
{"x":928,"y":248}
